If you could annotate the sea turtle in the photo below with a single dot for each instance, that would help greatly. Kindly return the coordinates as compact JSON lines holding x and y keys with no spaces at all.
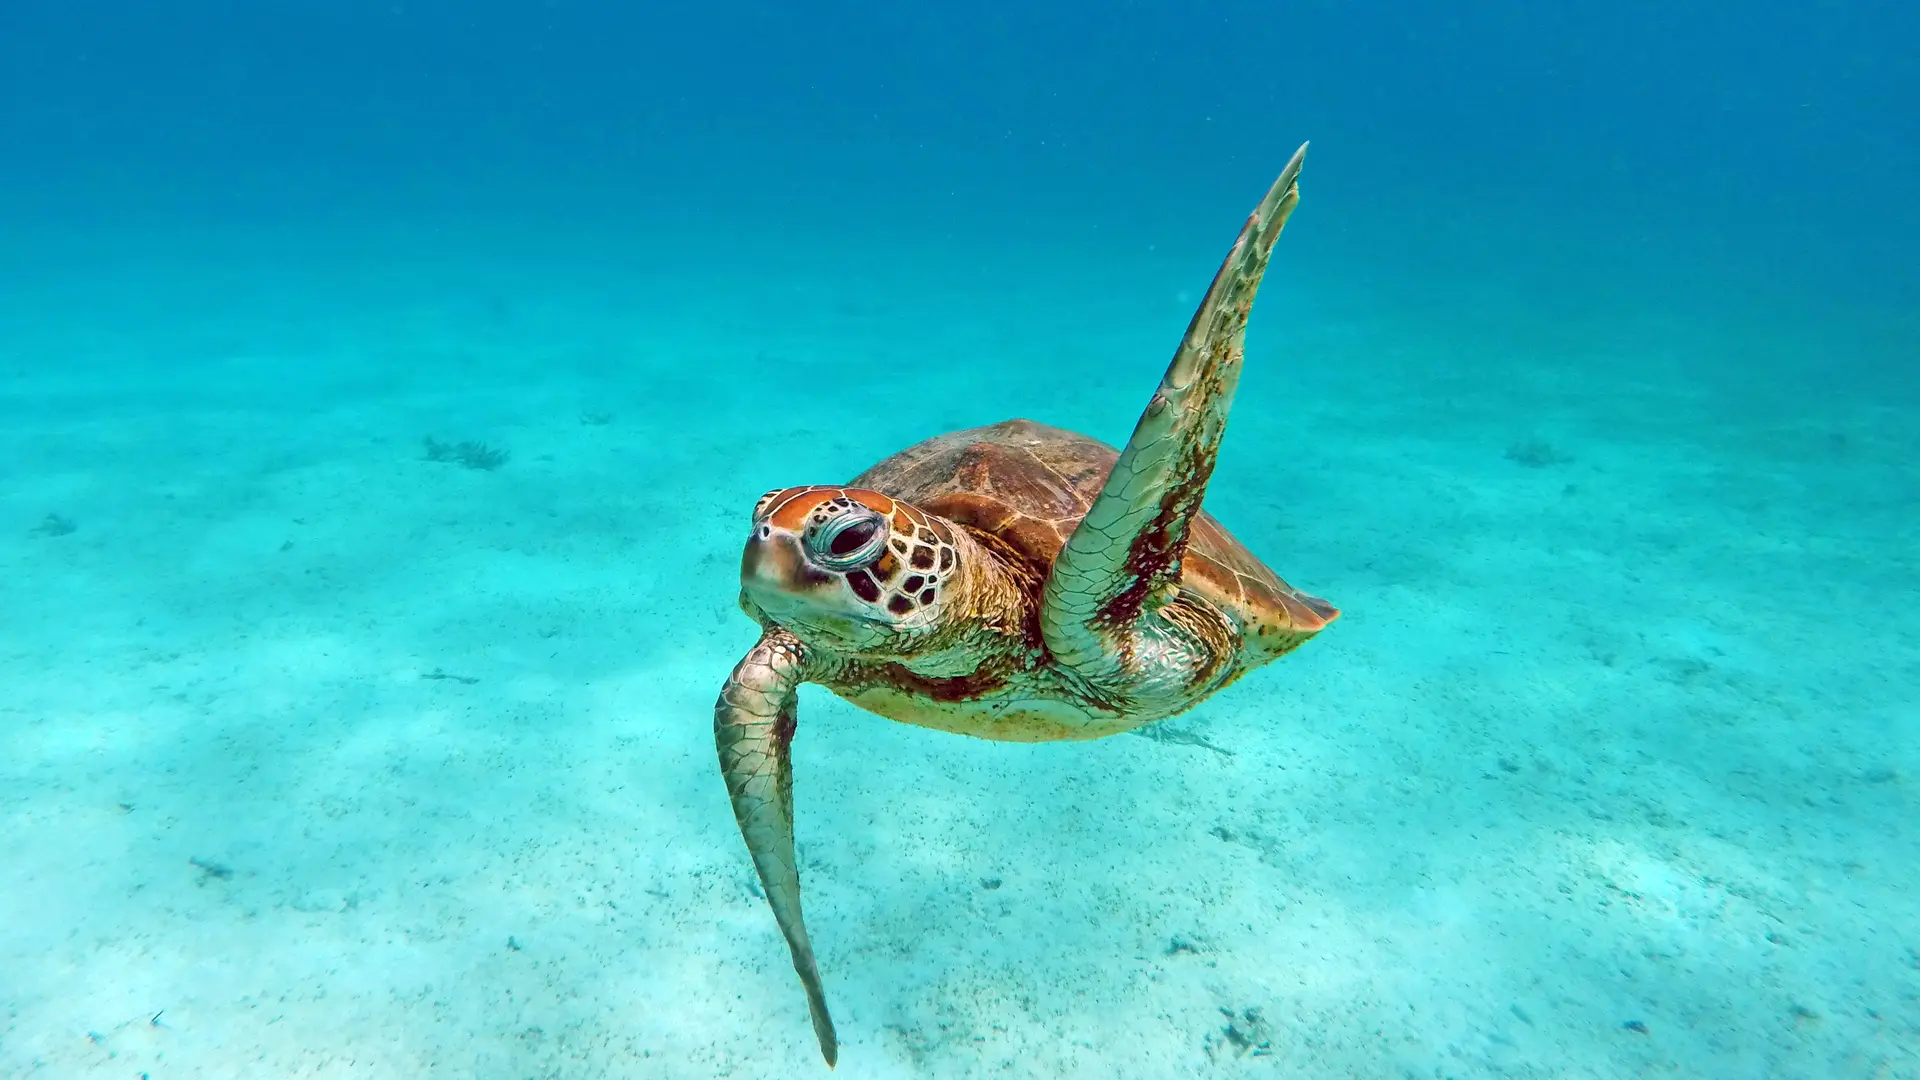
{"x":1015,"y":582}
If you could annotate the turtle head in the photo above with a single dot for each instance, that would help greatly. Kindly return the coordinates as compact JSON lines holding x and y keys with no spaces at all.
{"x":847,"y":568}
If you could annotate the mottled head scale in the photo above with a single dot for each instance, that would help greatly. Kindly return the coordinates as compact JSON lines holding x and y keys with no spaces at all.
{"x":847,"y":563}
{"x":1015,"y":582}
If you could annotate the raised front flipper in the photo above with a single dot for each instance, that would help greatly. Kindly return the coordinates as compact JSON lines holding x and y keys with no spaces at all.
{"x":753,"y":726}
{"x":1124,"y":558}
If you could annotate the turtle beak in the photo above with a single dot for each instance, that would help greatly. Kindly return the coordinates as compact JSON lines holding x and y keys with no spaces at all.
{"x":775,"y":564}
{"x":776,"y":575}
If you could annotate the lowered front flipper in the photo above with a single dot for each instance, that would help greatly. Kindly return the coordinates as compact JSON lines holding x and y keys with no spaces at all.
{"x":753,"y":726}
{"x":1123,"y":561}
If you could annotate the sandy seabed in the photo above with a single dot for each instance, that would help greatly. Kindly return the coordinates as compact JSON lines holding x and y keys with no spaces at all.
{"x":319,"y":758}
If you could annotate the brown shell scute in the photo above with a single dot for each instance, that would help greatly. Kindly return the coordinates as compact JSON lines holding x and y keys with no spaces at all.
{"x":1027,"y":485}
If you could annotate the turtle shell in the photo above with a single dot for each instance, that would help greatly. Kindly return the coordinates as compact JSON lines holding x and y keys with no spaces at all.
{"x":1027,"y":486}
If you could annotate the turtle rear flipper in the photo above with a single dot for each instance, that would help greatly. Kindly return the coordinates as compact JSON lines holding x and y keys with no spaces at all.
{"x":753,"y":725}
{"x":1124,"y":558}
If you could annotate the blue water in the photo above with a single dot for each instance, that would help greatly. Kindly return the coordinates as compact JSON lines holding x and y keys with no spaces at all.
{"x":1586,"y":381}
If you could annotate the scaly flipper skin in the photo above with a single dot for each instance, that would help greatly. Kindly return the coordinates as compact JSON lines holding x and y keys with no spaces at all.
{"x":1123,"y":561}
{"x":753,"y":727}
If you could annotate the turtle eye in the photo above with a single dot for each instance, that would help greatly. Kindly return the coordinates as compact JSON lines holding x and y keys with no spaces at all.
{"x":852,"y":538}
{"x":847,"y":542}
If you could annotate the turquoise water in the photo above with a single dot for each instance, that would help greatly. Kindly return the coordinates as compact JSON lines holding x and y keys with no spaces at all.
{"x":1584,"y":382}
